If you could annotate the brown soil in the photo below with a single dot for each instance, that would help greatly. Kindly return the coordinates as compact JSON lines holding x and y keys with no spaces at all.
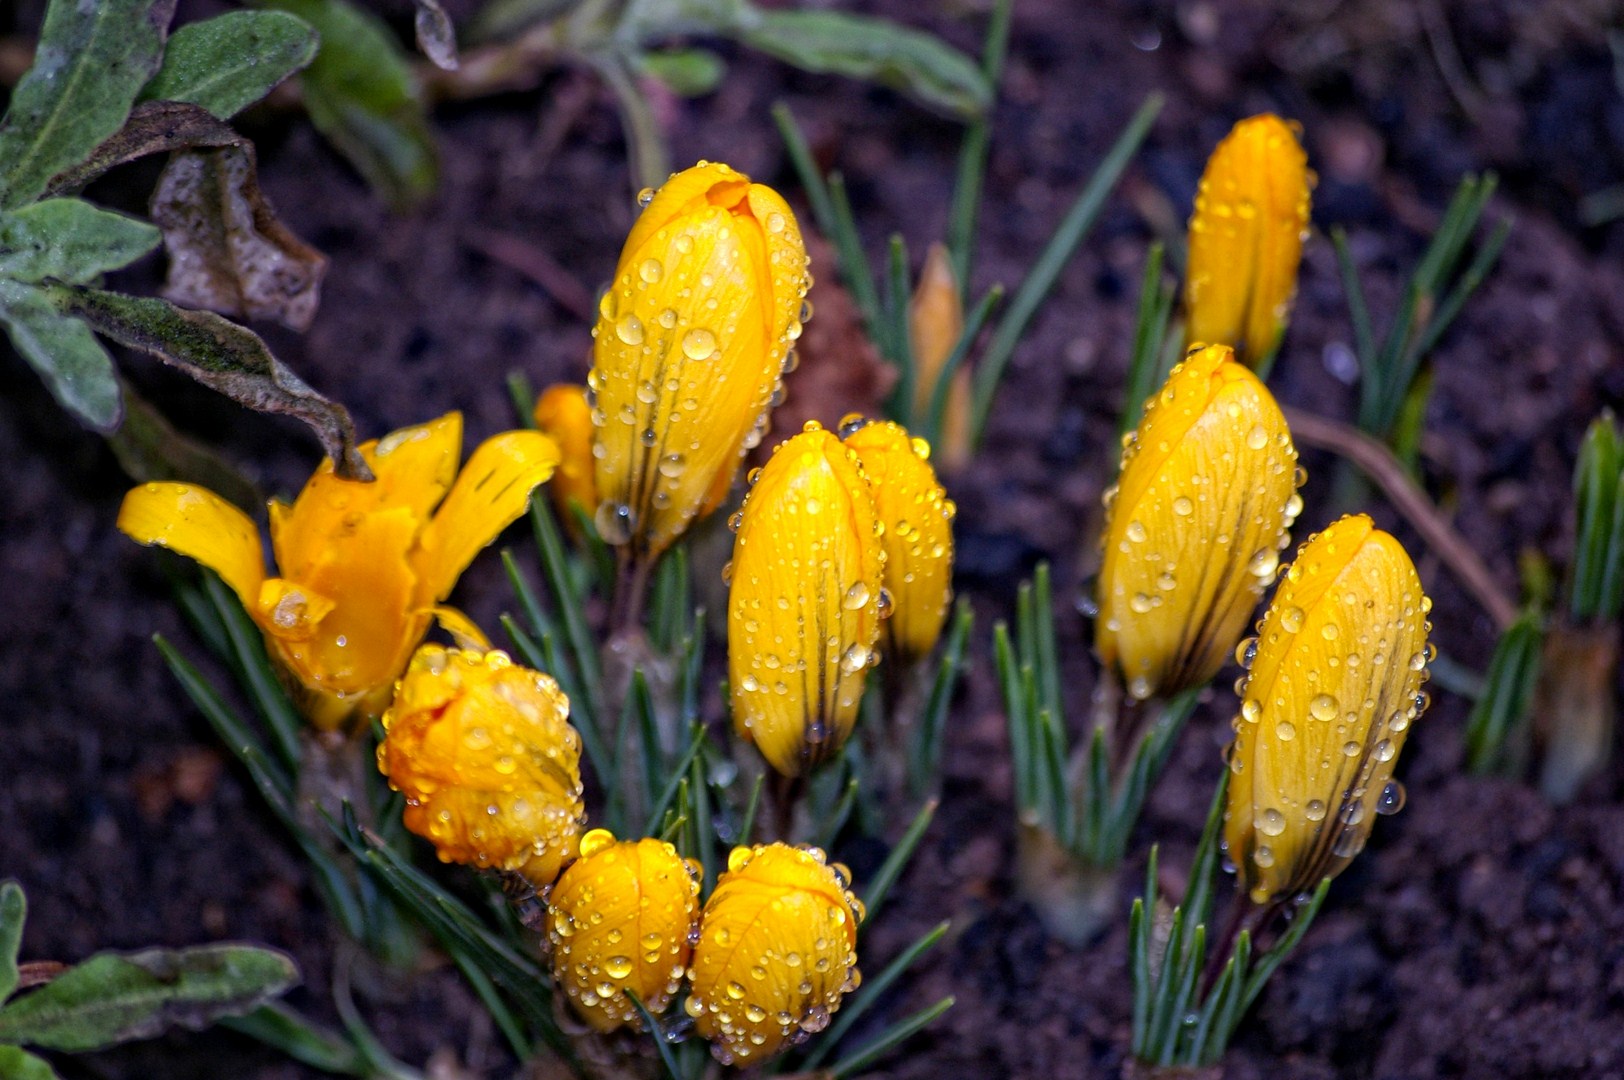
{"x":1483,"y":933}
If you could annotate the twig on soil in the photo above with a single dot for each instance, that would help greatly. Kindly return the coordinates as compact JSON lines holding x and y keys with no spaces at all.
{"x":1389,"y":474}
{"x":538,"y":266}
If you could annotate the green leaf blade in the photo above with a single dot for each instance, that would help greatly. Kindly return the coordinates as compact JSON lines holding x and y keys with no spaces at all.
{"x":13,"y":912}
{"x":227,"y":63}
{"x":75,"y":367}
{"x":69,"y":240}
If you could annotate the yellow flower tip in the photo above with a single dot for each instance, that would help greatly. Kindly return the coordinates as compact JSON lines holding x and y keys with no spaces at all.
{"x":361,"y":565}
{"x":690,"y":346}
{"x":489,"y":764}
{"x":563,"y":413}
{"x":917,"y":520}
{"x":1246,"y":237}
{"x":1333,"y":689}
{"x":806,"y":601}
{"x":777,"y":951}
{"x":935,"y":324}
{"x":1194,"y":527}
{"x":620,"y":918}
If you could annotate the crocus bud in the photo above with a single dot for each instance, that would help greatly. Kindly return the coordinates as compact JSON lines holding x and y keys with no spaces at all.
{"x":1246,"y":238}
{"x":1334,"y":685}
{"x":804,"y":610}
{"x":619,"y":919}
{"x":1194,"y":526}
{"x":935,"y":324}
{"x":777,"y":950}
{"x":562,"y":412}
{"x":918,"y":532}
{"x":690,"y":347}
{"x":489,"y":764}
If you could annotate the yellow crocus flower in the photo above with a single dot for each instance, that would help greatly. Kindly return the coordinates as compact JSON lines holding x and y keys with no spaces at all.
{"x":1194,"y":526}
{"x":563,"y":414}
{"x":935,"y":324}
{"x":363,"y":567}
{"x":619,"y":919}
{"x":484,"y":753}
{"x":804,"y":609}
{"x":917,"y":517}
{"x":1246,"y":238}
{"x":1334,"y":688}
{"x":690,"y":348}
{"x":777,"y":951}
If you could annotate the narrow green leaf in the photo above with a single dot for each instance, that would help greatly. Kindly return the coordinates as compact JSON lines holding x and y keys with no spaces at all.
{"x":113,"y":998}
{"x":280,"y":1027}
{"x":91,"y":61}
{"x":872,"y":990}
{"x":896,"y":862}
{"x":859,"y":47}
{"x":652,"y":1025}
{"x":1056,"y":254}
{"x":570,"y":603}
{"x":961,"y":227}
{"x":75,"y":367}
{"x":926,"y":757}
{"x":853,"y":262}
{"x":890,"y":1039}
{"x":899,"y":348}
{"x":685,"y":72}
{"x":1144,"y":359}
{"x":800,"y":157}
{"x":936,"y":411}
{"x":747,"y":825}
{"x":361,"y":95}
{"x":678,"y":774}
{"x":149,"y":448}
{"x":227,"y":63}
{"x":1301,"y":919}
{"x":69,"y":240}
{"x":18,"y":1064}
{"x":253,"y":665}
{"x":13,"y":913}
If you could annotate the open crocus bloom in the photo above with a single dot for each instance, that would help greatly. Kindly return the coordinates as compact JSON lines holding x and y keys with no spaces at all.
{"x":362,"y":567}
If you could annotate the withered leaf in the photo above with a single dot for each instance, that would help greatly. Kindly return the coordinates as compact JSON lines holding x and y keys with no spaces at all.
{"x":435,"y":35}
{"x":228,"y":252}
{"x":154,"y":127}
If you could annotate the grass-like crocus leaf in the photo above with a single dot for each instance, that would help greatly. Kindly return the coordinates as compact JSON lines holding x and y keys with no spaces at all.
{"x":362,"y":96}
{"x":1596,"y":579}
{"x":91,"y":62}
{"x":69,"y":240}
{"x":895,"y":863}
{"x":75,"y":367}
{"x":1499,"y":716}
{"x":280,"y":1027}
{"x":888,"y":1040}
{"x":859,"y":47}
{"x":112,"y":998}
{"x":961,"y":228}
{"x":18,"y":1064}
{"x":227,"y":63}
{"x":13,"y":913}
{"x":222,"y":356}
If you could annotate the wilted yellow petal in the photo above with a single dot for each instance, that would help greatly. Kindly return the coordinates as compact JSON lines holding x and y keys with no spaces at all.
{"x":490,"y":493}
{"x":935,"y":324}
{"x":777,"y":951}
{"x":1333,"y":690}
{"x":619,"y":919}
{"x":804,"y":610}
{"x":489,"y":764}
{"x":197,"y":523}
{"x":689,"y":350}
{"x":1195,"y":525}
{"x":563,"y":414}
{"x":918,"y":535}
{"x":1246,"y":238}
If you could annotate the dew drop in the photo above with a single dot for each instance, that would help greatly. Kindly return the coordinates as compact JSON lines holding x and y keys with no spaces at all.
{"x":699,"y":344}
{"x":1391,"y":800}
{"x":629,"y":328}
{"x":1271,"y":822}
{"x":1315,"y":810}
{"x":1291,"y":620}
{"x":1322,"y":707}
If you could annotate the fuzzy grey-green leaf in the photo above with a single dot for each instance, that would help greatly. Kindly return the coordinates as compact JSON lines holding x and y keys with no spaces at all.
{"x":69,"y":240}
{"x":18,"y":1064}
{"x":112,"y":998}
{"x":91,"y":61}
{"x":863,"y":48}
{"x":66,"y":354}
{"x":227,"y":63}
{"x":13,"y":912}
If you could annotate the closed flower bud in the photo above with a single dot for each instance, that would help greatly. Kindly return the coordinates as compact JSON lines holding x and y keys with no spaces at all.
{"x":690,"y":348}
{"x":804,"y":610}
{"x":362,"y":567}
{"x":917,"y":517}
{"x":489,"y":764}
{"x":1246,"y":238}
{"x":562,"y":412}
{"x":1334,"y":687}
{"x":777,"y":951}
{"x":619,"y":919}
{"x":1194,"y":526}
{"x":935,"y":324}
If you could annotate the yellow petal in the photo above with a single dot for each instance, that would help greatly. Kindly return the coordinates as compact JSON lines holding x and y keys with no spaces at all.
{"x":490,"y":493}
{"x":1246,"y":238}
{"x":463,"y":630}
{"x":490,"y":767}
{"x":197,"y":523}
{"x":803,"y":612}
{"x":918,"y":534}
{"x":563,"y":414}
{"x":619,"y":919}
{"x":935,"y":324}
{"x":776,"y":952}
{"x":1195,"y":526}
{"x":689,"y":350}
{"x":413,"y":468}
{"x":292,"y":611}
{"x":1332,"y":693}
